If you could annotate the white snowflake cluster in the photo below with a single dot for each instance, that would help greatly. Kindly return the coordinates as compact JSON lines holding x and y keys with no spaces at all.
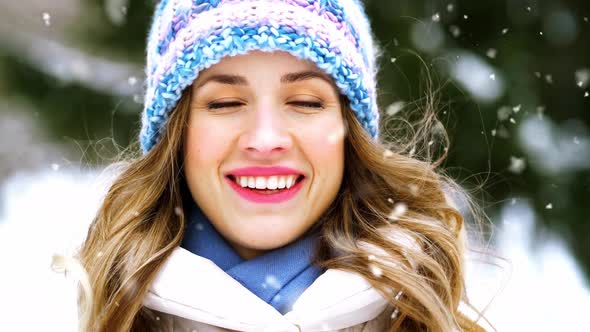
{"x":375,"y":270}
{"x":178,"y":211}
{"x":132,"y":80}
{"x":46,"y":18}
{"x":492,"y":53}
{"x":399,"y":209}
{"x":517,"y":165}
{"x":395,"y":107}
{"x":436,"y":17}
{"x":271,"y":281}
{"x":455,"y":31}
{"x":582,"y":76}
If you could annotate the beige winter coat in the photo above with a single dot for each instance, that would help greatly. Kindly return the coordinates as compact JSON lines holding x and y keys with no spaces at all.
{"x":191,"y":293}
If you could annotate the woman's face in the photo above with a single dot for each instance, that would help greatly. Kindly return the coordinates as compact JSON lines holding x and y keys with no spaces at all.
{"x":267,"y":121}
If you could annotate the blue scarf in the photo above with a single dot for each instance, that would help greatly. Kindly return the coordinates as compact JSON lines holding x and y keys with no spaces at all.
{"x":278,"y":276}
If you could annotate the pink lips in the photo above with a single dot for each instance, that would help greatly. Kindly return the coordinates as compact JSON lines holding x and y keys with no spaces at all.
{"x":253,"y":196}
{"x":264,"y":171}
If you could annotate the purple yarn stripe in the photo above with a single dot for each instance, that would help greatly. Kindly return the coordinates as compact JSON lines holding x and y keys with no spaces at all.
{"x":233,"y":13}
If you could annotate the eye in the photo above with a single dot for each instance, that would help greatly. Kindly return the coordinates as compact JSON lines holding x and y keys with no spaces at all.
{"x":230,"y":104}
{"x":308,"y":104}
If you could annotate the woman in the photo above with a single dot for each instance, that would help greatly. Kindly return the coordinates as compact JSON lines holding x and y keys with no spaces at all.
{"x":264,"y":200}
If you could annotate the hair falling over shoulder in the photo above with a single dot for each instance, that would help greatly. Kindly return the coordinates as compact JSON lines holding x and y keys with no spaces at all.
{"x":393,"y":222}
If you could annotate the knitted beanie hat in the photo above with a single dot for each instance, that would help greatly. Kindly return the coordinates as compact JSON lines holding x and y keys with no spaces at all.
{"x":188,"y":36}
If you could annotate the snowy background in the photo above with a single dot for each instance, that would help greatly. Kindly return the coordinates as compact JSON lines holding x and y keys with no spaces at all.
{"x":515,"y":80}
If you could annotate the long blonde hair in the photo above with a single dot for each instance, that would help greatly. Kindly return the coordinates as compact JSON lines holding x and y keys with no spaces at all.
{"x":392,"y":222}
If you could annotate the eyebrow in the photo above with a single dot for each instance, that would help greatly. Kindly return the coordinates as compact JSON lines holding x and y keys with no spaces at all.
{"x":287,"y":78}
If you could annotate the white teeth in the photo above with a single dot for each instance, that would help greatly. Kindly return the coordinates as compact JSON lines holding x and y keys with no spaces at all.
{"x":243,"y":181}
{"x":282,"y":182}
{"x":260,"y":183}
{"x":271,"y":182}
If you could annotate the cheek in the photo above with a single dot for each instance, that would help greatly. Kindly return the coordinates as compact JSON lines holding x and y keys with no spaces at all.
{"x":324,"y":145}
{"x":204,"y":145}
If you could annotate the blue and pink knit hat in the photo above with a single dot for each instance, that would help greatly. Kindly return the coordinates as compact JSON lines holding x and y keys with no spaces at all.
{"x":188,"y":36}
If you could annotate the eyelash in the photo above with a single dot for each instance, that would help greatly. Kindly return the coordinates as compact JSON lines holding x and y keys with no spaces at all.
{"x":235,"y":104}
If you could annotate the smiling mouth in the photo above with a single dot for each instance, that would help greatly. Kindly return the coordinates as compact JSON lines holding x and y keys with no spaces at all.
{"x":266,"y":191}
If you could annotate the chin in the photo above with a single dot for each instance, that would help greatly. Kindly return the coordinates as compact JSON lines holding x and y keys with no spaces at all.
{"x":265,"y":238}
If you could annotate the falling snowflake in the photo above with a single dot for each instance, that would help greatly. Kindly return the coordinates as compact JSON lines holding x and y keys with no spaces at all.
{"x":576,"y":140}
{"x":395,"y":42}
{"x":582,"y":77}
{"x":371,"y":257}
{"x":450,"y":7}
{"x":586,"y":94}
{"x":375,"y":270}
{"x":585,"y":19}
{"x":491,"y":53}
{"x":46,"y":18}
{"x":436,"y":17}
{"x":493,"y":77}
{"x":199,"y":226}
{"x":396,"y":310}
{"x":512,"y":120}
{"x":272,"y":281}
{"x":387,"y":153}
{"x":455,"y":31}
{"x":178,"y":211}
{"x":528,"y":8}
{"x":465,"y":17}
{"x":393,"y":60}
{"x":517,"y":165}
{"x":157,"y":317}
{"x":549,"y":206}
{"x":549,"y":79}
{"x":541,"y":33}
{"x":55,"y":167}
{"x":138,"y":99}
{"x":517,"y":108}
{"x":493,"y":132}
{"x":538,"y":74}
{"x":390,"y":200}
{"x":395,"y":107}
{"x":505,"y":31}
{"x":398,"y":210}
{"x":132,"y":80}
{"x":430,"y":143}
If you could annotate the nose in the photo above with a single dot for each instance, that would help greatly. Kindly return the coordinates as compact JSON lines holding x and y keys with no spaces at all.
{"x":266,"y":135}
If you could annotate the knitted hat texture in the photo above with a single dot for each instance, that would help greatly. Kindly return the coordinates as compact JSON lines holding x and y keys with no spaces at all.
{"x":188,"y":36}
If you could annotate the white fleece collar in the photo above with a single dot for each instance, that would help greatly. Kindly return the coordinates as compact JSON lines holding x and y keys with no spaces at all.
{"x":194,"y":288}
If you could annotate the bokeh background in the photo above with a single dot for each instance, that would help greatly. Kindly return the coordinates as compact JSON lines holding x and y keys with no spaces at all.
{"x":513,"y":78}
